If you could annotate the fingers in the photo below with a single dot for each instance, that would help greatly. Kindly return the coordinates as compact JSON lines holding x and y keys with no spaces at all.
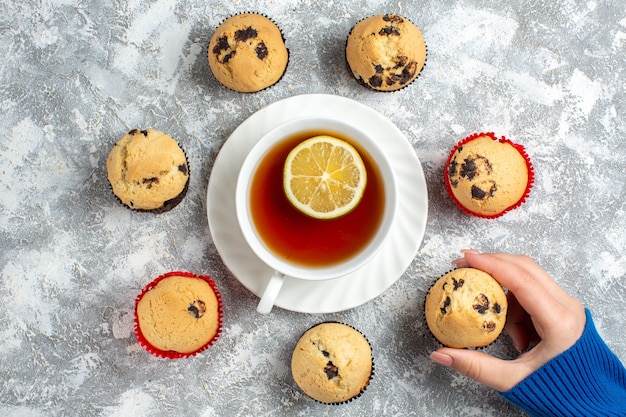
{"x":519,"y":326}
{"x":462,"y":262}
{"x":542,"y":317}
{"x":505,"y":263}
{"x":551,"y":309}
{"x":481,"y":367}
{"x":542,"y":321}
{"x":535,"y":290}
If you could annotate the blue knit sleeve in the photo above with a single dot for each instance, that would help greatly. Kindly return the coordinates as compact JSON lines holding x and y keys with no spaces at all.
{"x":586,"y":380}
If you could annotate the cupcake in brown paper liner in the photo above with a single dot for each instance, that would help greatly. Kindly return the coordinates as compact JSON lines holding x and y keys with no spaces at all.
{"x":487,"y":177}
{"x":178,"y":315}
{"x":332,"y":363}
{"x":385,"y":52}
{"x":247,"y":53}
{"x":466,"y":308}
{"x":148,"y":171}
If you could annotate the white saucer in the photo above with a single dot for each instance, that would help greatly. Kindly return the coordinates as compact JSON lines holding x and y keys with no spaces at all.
{"x":342,"y":293}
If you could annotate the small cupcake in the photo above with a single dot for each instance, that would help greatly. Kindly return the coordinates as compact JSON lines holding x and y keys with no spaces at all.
{"x":148,"y":171}
{"x":178,"y":315}
{"x":466,"y":308}
{"x":486,"y":176}
{"x":247,"y":53}
{"x":332,"y":363}
{"x":385,"y":52}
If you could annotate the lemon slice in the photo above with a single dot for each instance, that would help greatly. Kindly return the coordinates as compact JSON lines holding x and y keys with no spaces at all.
{"x":324,"y":177}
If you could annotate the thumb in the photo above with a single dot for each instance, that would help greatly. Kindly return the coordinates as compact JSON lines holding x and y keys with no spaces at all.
{"x":493,"y":372}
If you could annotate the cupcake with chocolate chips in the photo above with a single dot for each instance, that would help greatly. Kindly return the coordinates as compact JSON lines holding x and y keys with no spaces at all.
{"x":247,"y":53}
{"x":385,"y":52}
{"x":466,"y":308}
{"x":178,"y":315}
{"x":487,"y":177}
{"x":332,"y":363}
{"x":148,"y":171}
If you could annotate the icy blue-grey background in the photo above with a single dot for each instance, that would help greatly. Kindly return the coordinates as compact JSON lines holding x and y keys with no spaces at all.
{"x":75,"y":76}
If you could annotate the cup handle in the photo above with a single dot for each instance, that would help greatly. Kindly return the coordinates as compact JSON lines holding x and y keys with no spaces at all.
{"x":270,"y":293}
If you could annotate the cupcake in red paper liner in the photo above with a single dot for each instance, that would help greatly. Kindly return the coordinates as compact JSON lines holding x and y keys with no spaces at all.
{"x":178,"y":315}
{"x":487,"y":177}
{"x":332,"y":363}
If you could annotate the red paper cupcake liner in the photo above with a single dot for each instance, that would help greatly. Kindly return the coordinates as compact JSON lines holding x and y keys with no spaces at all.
{"x":171,"y":354}
{"x":518,"y":147}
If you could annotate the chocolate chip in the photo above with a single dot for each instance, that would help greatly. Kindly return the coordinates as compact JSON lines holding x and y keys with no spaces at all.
{"x":489,"y":326}
{"x":326,"y":354}
{"x":472,"y":165}
{"x":408,"y":72}
{"x":243,"y":35}
{"x":150,"y":181}
{"x":221,"y":45}
{"x":376,"y":81}
{"x":469,"y":169}
{"x":331,"y":370}
{"x":452,"y":172}
{"x":197,"y":308}
{"x":261,"y":51}
{"x":479,"y":193}
{"x":392,"y":79}
{"x":497,"y":308}
{"x":136,"y":131}
{"x":389,"y":31}
{"x":445,"y":305}
{"x":481,"y":303}
{"x":228,"y":56}
{"x":401,"y":61}
{"x":457,"y":284}
{"x":378,"y":68}
{"x":393,"y":18}
{"x":183,"y":168}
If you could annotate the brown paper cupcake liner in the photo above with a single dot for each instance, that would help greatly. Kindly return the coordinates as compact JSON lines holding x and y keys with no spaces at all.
{"x":168,"y":204}
{"x":170,"y":354}
{"x":518,"y":147}
{"x":282,"y":35}
{"x":371,"y":374}
{"x":361,"y":81}
{"x":434,"y":338}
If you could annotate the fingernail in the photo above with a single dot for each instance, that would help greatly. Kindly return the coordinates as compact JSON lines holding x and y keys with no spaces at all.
{"x":460,"y":263}
{"x":441,"y":358}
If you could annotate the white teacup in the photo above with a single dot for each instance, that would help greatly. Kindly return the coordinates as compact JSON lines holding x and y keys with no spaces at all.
{"x":313,"y":125}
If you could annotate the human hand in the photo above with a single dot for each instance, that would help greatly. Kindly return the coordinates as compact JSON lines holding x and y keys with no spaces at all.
{"x":543,"y":321}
